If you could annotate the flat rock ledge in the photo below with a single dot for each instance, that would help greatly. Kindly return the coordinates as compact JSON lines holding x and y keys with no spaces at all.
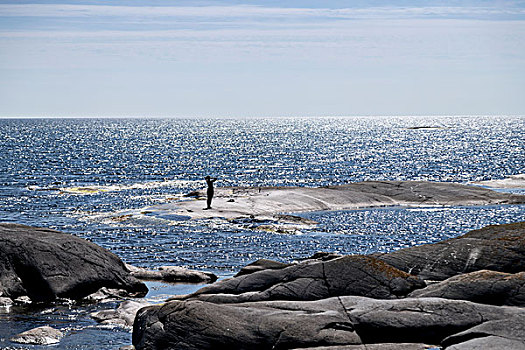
{"x":172,"y":274}
{"x":271,"y":202}
{"x":464,"y":293}
{"x":45,"y":265}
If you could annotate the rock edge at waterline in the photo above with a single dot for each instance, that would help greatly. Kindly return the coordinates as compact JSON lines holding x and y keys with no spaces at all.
{"x":269,"y":202}
{"x":326,"y":302}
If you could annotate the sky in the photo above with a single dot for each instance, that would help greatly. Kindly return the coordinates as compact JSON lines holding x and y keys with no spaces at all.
{"x":269,"y":58}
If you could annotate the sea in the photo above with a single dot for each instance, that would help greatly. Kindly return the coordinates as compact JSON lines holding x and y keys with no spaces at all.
{"x":77,"y":175}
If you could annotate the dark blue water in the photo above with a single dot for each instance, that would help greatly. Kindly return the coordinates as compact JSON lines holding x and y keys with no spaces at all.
{"x":75,"y":174}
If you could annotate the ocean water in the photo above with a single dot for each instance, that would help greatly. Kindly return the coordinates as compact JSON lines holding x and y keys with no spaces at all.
{"x":75,"y":174}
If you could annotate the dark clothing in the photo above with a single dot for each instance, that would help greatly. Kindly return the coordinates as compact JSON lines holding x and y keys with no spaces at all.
{"x":210,"y":191}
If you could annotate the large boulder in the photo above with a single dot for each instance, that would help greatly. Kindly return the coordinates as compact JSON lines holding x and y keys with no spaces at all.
{"x":498,"y":248}
{"x":486,"y":287}
{"x":46,"y":264}
{"x":195,"y":324}
{"x":313,"y":280}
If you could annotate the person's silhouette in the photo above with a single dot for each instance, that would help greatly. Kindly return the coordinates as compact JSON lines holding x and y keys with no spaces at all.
{"x":210,"y":191}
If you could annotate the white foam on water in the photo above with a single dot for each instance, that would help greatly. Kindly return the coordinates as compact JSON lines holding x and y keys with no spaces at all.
{"x":93,"y":189}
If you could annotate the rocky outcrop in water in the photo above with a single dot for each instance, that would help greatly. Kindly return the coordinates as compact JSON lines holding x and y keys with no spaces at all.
{"x":44,"y":335}
{"x":45,"y":265}
{"x":358,"y":302}
{"x":172,"y":274}
{"x":268,"y":202}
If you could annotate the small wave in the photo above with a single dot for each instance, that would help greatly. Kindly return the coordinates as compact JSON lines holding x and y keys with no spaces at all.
{"x":512,"y":181}
{"x":92,"y":189}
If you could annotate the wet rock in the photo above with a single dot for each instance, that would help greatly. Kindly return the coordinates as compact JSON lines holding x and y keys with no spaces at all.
{"x":107,"y":294}
{"x":312,"y":280}
{"x":485,"y":287}
{"x":124,"y":315}
{"x":172,"y":274}
{"x":39,"y":336}
{"x":498,"y":248}
{"x":495,"y":335}
{"x":348,"y":320}
{"x":45,"y":264}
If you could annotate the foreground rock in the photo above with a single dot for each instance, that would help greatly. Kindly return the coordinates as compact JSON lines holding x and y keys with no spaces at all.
{"x":195,"y":324}
{"x":172,"y":274}
{"x":325,"y":302}
{"x":237,"y":202}
{"x":498,"y":248}
{"x":39,"y":336}
{"x":486,"y":287}
{"x":313,"y":280}
{"x":45,"y":264}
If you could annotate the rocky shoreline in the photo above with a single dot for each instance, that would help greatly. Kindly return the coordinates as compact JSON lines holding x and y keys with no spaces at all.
{"x":462,"y":293}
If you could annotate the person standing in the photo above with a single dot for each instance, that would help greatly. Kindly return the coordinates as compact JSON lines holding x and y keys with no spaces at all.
{"x":210,"y":191}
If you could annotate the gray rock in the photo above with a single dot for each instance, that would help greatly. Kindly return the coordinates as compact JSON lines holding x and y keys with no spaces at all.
{"x":261,"y":264}
{"x":388,"y":346}
{"x":46,"y":264}
{"x":498,"y":248}
{"x":172,"y":274}
{"x":5,"y":302}
{"x":124,"y":315}
{"x":39,"y":336}
{"x":419,"y":320}
{"x":349,"y":320}
{"x":486,"y":287}
{"x":313,"y":280}
{"x":198,"y":325}
{"x":502,"y":334}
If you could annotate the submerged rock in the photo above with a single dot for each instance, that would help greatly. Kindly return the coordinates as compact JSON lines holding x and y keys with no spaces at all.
{"x":39,"y":336}
{"x":45,"y":264}
{"x":485,"y":287}
{"x":498,"y":248}
{"x":313,"y":280}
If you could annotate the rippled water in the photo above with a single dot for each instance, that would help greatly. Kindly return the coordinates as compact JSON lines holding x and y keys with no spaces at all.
{"x":72,"y":174}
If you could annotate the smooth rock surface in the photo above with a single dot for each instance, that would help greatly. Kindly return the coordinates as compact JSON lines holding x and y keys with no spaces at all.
{"x":172,"y":274}
{"x":313,"y":280}
{"x":508,"y":333}
{"x":39,"y":336}
{"x":268,"y":201}
{"x":496,"y":247}
{"x":485,"y":287}
{"x":46,"y":264}
{"x":195,"y":324}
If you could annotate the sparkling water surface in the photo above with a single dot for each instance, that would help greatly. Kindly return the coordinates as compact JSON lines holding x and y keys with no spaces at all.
{"x":73,"y":174}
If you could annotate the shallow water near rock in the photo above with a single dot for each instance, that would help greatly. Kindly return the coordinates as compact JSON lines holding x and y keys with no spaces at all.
{"x":94,"y":177}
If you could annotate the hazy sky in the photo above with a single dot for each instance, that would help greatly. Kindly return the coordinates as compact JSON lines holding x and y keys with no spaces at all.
{"x":261,"y":58}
